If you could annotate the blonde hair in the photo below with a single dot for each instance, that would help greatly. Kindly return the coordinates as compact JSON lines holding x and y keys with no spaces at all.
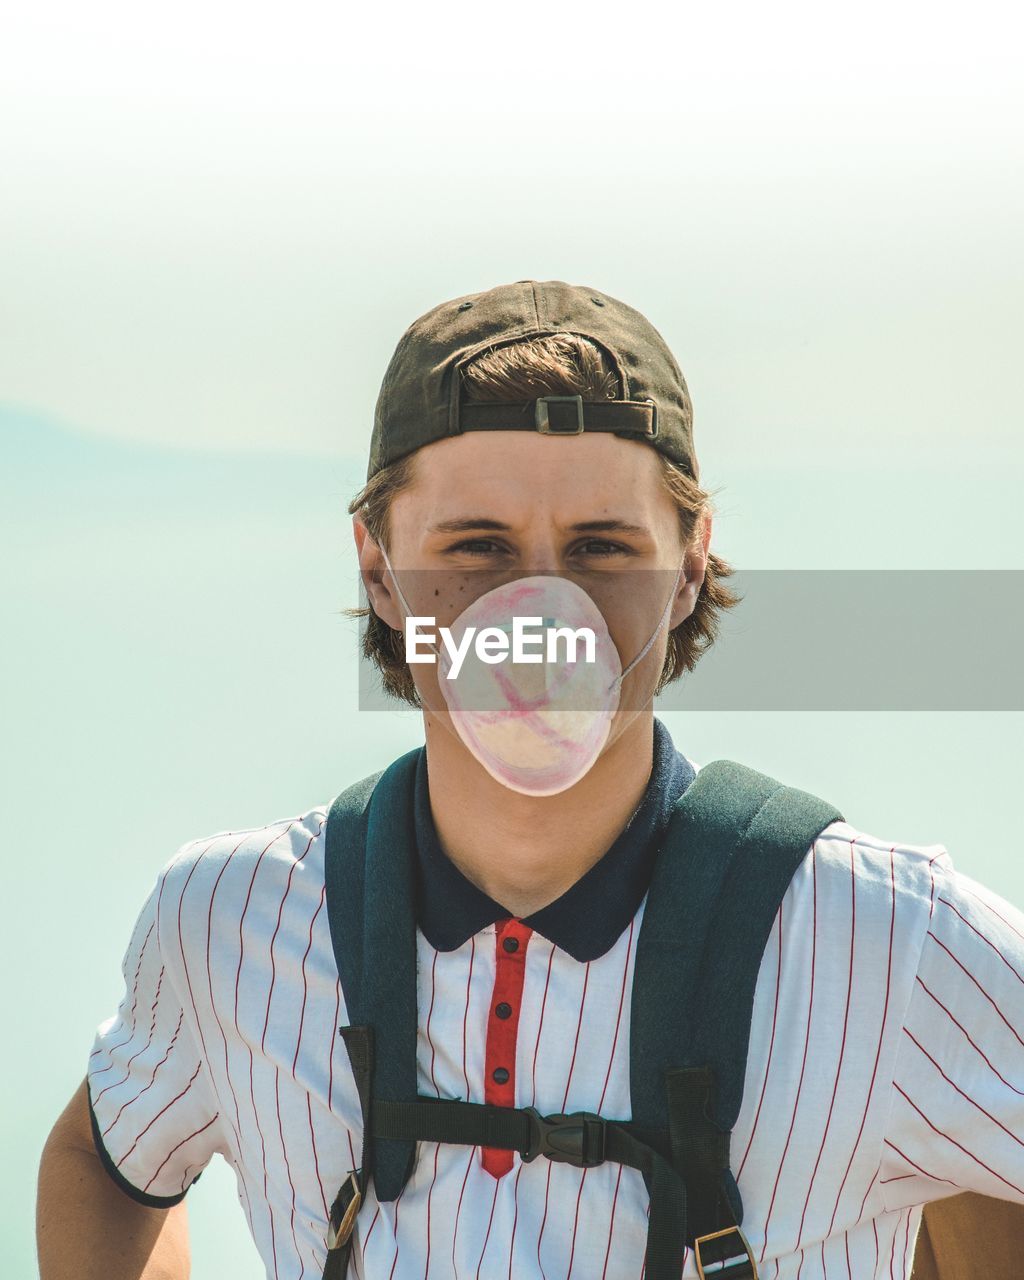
{"x":555,"y":364}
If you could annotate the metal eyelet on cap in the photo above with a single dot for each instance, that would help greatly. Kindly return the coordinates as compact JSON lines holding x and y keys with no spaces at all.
{"x":465,"y":306}
{"x":597,"y":302}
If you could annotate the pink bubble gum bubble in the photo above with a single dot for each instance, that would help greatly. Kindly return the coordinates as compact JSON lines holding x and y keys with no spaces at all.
{"x":535,"y":727}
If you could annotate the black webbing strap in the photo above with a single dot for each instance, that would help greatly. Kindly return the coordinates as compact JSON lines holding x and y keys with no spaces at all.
{"x":582,"y":1139}
{"x":579,"y":1138}
{"x":344,"y":1210}
{"x":700,"y":1153}
{"x":700,"y":1150}
{"x":694,"y":1154}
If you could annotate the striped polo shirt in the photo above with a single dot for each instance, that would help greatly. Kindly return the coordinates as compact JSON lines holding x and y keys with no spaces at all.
{"x":885,"y":1066}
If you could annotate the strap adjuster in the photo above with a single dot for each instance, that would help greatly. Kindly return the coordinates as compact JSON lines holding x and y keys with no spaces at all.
{"x":543,"y":423}
{"x":735,"y":1270}
{"x":652,"y":434}
{"x":344,"y":1212}
{"x":577,"y":1138}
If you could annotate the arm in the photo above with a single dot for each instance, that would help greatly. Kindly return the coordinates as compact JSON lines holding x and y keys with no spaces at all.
{"x":86,"y":1227}
{"x":142,"y":1127}
{"x":969,"y":1234}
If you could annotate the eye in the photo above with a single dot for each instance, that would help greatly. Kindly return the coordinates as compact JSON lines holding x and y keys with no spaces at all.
{"x":477,"y":547}
{"x":601,"y":547}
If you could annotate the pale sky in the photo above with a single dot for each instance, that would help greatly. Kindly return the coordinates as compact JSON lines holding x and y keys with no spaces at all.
{"x":216,"y":225}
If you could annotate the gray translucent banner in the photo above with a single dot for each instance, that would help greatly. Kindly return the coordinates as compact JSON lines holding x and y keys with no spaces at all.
{"x":813,"y":639}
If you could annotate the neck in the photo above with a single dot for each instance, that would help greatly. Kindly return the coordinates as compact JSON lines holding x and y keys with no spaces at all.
{"x":526,"y":851}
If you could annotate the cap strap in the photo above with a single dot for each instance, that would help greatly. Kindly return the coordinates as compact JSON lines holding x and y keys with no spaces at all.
{"x":561,"y":415}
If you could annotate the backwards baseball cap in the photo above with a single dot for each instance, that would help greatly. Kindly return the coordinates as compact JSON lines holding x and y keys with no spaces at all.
{"x":420,"y":401}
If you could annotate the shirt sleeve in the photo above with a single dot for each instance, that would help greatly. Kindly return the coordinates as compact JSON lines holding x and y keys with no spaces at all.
{"x":154,"y":1113}
{"x":956,"y":1121}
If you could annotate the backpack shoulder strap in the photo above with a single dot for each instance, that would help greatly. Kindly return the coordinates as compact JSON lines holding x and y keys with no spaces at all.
{"x":345,"y":879}
{"x":769,"y":850}
{"x":732,"y":845}
{"x":370,"y":894}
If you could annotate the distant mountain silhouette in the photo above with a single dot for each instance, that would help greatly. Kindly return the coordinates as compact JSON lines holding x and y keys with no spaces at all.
{"x":41,"y":455}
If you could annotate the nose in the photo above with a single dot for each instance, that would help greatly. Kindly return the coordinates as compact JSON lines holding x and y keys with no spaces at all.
{"x":539,"y":553}
{"x":540,"y":556}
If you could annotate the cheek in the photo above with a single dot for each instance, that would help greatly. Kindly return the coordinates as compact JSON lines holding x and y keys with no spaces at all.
{"x":632,"y":603}
{"x":424,"y":677}
{"x":442,"y":594}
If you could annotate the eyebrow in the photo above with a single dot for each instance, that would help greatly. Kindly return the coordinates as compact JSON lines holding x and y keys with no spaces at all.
{"x":471,"y":523}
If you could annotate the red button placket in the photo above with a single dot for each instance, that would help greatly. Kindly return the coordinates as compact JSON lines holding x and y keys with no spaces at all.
{"x":511,"y":940}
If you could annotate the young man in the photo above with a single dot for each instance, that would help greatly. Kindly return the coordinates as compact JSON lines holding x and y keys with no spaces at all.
{"x":885,"y":1067}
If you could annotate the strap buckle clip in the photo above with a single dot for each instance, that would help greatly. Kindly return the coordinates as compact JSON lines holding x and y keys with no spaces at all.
{"x":739,"y":1269}
{"x":577,"y":1138}
{"x":543,"y":423}
{"x":344,"y":1212}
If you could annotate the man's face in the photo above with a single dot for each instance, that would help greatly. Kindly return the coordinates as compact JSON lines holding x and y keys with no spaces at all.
{"x":490,"y":506}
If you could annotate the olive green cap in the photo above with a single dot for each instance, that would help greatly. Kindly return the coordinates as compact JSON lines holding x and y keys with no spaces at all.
{"x":419,"y":400}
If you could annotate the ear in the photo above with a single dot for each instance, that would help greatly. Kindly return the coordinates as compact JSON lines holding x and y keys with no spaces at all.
{"x":377,"y":581}
{"x":692,"y":578}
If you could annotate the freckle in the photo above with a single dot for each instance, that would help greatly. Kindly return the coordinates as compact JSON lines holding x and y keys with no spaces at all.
{"x":437,"y":591}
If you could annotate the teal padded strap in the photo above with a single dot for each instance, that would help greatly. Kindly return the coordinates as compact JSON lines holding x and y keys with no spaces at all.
{"x":370,"y":879}
{"x":689,"y":871}
{"x":774,"y":844}
{"x":344,"y":877}
{"x":728,"y":853}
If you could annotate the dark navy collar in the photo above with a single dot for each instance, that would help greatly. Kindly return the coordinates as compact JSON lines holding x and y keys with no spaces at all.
{"x":591,"y":914}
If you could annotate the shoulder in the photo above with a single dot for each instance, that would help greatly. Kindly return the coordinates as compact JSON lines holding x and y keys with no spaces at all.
{"x":847,"y":942}
{"x":975,"y":933}
{"x":885,"y":869}
{"x":220,"y":879}
{"x":883,"y":873}
{"x":861,"y":903}
{"x":877,"y":881}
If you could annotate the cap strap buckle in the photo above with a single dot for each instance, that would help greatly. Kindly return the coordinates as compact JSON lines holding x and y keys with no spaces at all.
{"x":543,"y":422}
